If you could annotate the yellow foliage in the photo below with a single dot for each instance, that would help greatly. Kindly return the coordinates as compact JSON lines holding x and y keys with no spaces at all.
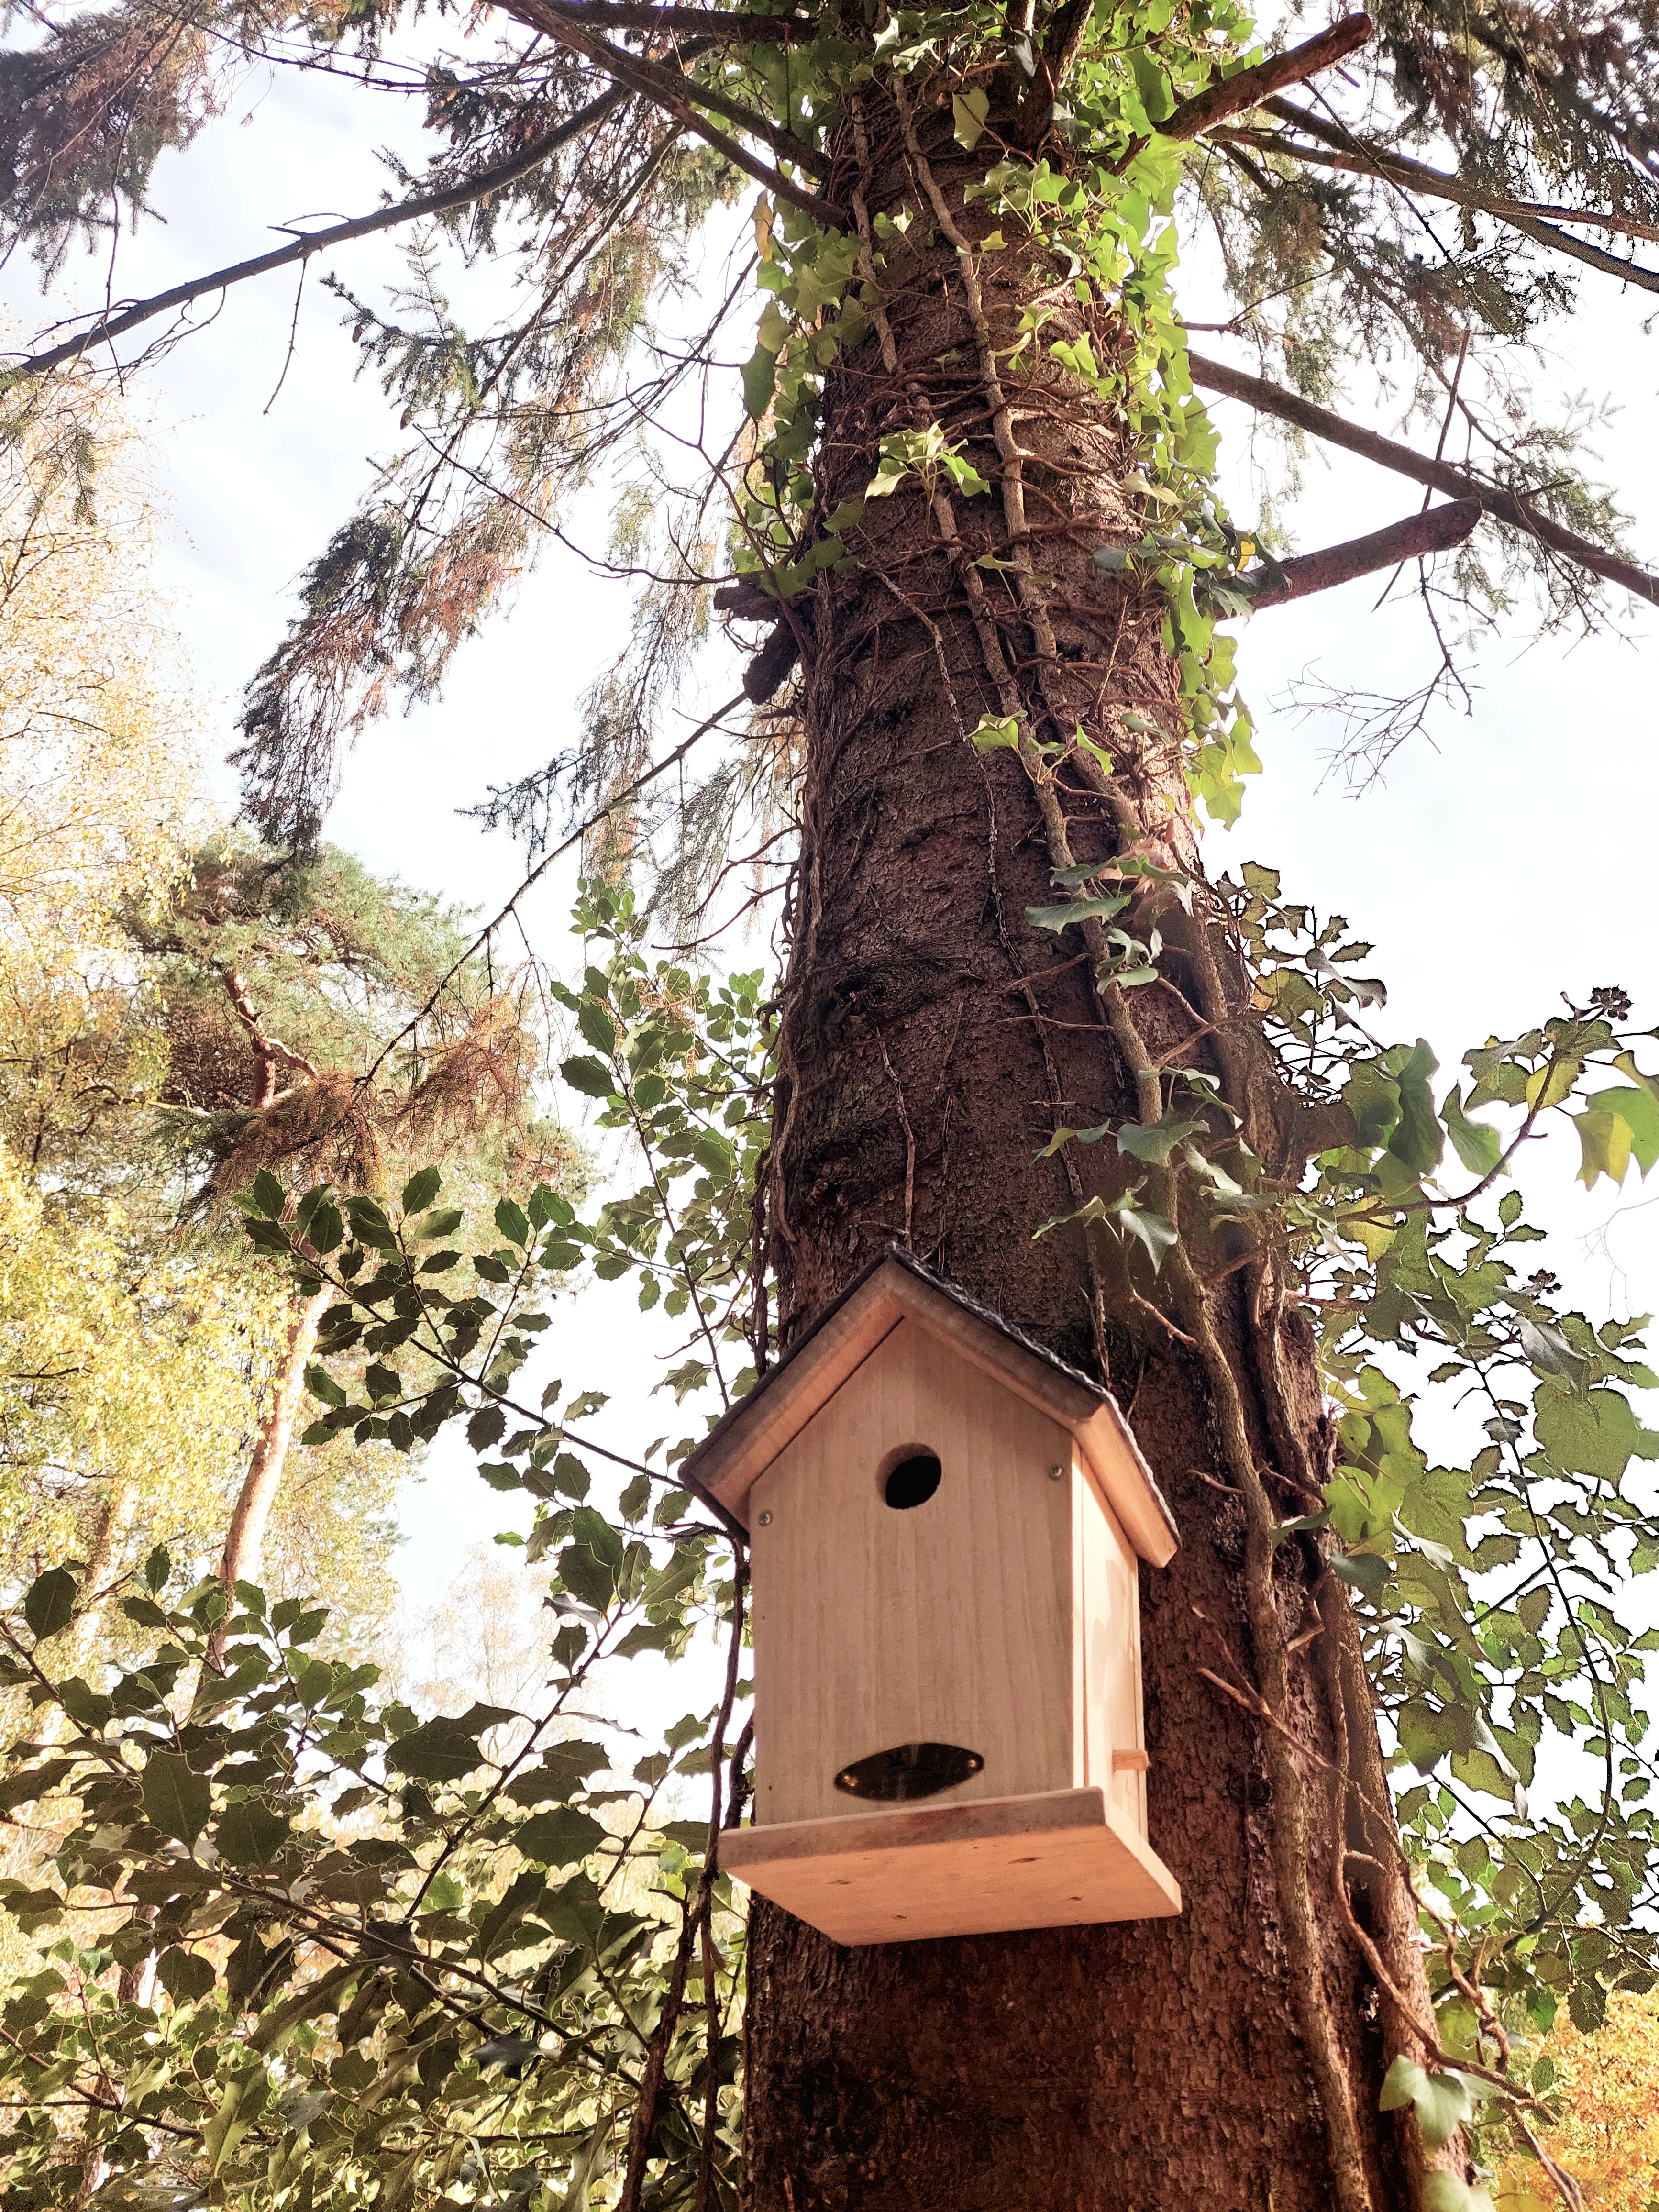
{"x":97,"y":762}
{"x":1608,"y":2139}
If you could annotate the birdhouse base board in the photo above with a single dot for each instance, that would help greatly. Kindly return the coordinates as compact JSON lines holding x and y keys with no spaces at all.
{"x":1057,"y":1859}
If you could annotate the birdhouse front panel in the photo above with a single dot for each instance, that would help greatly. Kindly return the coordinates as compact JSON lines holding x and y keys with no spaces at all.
{"x":946,"y":1525}
{"x":913,"y":1559}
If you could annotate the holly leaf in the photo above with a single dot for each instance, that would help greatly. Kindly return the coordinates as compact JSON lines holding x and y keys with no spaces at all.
{"x":558,"y":1837}
{"x":48,"y":1605}
{"x":177,"y":1799}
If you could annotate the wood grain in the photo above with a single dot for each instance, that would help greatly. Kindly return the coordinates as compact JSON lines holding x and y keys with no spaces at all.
{"x":1054,"y":1859}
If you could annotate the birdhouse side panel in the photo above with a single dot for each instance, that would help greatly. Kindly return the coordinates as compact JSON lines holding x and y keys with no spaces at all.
{"x":948,"y":1621}
{"x":1108,"y":1618}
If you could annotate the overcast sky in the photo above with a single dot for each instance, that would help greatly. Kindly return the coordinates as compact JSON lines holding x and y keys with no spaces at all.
{"x":1509,"y":863}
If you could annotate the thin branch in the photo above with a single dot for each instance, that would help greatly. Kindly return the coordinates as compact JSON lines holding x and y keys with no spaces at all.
{"x":460,"y":194}
{"x":600,"y":814}
{"x":1383,"y":161}
{"x":1435,"y":531}
{"x":1230,"y":95}
{"x":735,"y":27}
{"x":1495,"y":500}
{"x":1415,"y":177}
{"x":678,"y":96}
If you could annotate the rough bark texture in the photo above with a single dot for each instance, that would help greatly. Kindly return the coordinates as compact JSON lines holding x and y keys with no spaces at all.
{"x":933,"y":1043}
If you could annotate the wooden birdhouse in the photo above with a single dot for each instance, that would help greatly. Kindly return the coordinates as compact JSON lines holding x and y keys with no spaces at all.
{"x":945,"y":1523}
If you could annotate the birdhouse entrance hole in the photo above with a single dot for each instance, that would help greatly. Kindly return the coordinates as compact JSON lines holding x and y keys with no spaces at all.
{"x":911,"y":1480}
{"x":910,"y":1771}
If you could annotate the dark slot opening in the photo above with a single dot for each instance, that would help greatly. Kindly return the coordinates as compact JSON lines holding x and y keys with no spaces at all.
{"x":910,"y":1770}
{"x":912,"y":1482}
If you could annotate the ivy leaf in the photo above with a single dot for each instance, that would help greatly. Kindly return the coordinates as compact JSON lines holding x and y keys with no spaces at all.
{"x":446,"y":1749}
{"x":1604,"y":1142}
{"x":967,"y":113}
{"x":1477,"y":1144}
{"x":1157,"y":1234}
{"x":177,"y":1799}
{"x":1089,"y":909}
{"x":1416,"y":1141}
{"x":1365,"y":1572}
{"x":760,"y":374}
{"x":1441,"y":2101}
{"x":1154,"y":1141}
{"x":1639,"y":1112}
{"x":995,"y":732}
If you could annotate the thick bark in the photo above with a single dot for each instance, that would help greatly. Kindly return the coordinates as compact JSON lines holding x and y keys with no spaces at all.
{"x":245,"y":1537}
{"x":931,"y":1042}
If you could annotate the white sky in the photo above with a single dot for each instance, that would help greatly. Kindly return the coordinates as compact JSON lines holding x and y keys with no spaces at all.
{"x":1510,"y":864}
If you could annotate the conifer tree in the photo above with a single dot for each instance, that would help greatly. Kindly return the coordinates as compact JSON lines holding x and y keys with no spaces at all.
{"x":1018,"y":1029}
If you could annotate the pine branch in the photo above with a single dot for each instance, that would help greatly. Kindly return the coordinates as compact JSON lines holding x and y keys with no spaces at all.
{"x":1383,"y":161}
{"x":716,"y":25}
{"x":1495,"y":500}
{"x":1230,"y":95}
{"x":1436,"y":530}
{"x":1416,"y":176}
{"x":479,"y":188}
{"x":678,"y":96}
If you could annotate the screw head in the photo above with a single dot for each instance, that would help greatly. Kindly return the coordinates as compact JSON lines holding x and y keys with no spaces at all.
{"x":1056,"y":1474}
{"x":765,"y":1520}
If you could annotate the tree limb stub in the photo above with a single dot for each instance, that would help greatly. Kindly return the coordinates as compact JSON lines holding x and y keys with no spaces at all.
{"x":1494,"y":499}
{"x":1436,"y":530}
{"x":338,"y":233}
{"x":1231,"y":95}
{"x":676,"y":95}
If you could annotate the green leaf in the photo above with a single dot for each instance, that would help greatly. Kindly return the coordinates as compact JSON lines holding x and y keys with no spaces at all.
{"x":1365,"y":1572}
{"x":1154,"y":1231}
{"x":760,"y":374}
{"x":967,"y":113}
{"x":1639,"y":1111}
{"x":250,"y":1833}
{"x":995,"y":732}
{"x":446,"y":1749}
{"x":269,"y":1195}
{"x":1154,"y":1141}
{"x":1604,"y":1144}
{"x":592,"y":1529}
{"x":177,"y":1799}
{"x":1441,"y":2101}
{"x":560,"y":1838}
{"x":512,"y":1222}
{"x":157,"y":1567}
{"x":420,"y":1189}
{"x":1416,"y":1142}
{"x":1477,"y":1144}
{"x":589,"y":1076}
{"x":48,"y":1605}
{"x":184,"y":1975}
{"x":1089,"y":909}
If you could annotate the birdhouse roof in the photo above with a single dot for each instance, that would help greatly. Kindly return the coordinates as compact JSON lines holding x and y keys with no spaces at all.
{"x":896,"y":1287}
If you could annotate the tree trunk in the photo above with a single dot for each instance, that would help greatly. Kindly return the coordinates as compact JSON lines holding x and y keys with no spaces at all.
{"x":932,"y":1042}
{"x":245,"y":1535}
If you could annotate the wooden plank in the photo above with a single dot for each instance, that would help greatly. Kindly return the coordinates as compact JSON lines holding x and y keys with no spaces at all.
{"x":950,"y":1623}
{"x":1128,"y":1485}
{"x":1109,"y":1658}
{"x":1059,"y":1858}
